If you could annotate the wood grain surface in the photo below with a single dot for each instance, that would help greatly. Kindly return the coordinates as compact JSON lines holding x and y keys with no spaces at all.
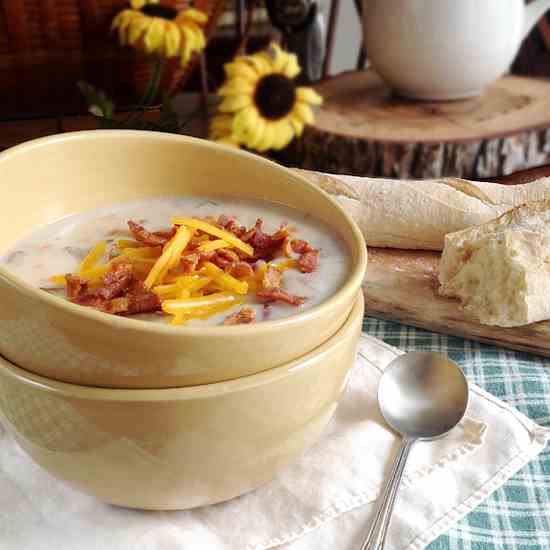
{"x":363,"y":129}
{"x":401,"y":285}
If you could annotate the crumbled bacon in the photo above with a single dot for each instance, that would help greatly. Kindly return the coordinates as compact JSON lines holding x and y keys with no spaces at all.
{"x":259,"y":239}
{"x":230,"y":224}
{"x":77,"y":288}
{"x":141,"y":300}
{"x":282,"y":233}
{"x":116,"y":281}
{"x":228,"y":254}
{"x":279,"y":295}
{"x":224,"y":220}
{"x":137,"y":301}
{"x":241,"y":270}
{"x":308,"y":262}
{"x":286,"y":248}
{"x":244,"y":316}
{"x":272,"y":278}
{"x":148,"y":238}
{"x":188,"y":263}
{"x":300,"y":246}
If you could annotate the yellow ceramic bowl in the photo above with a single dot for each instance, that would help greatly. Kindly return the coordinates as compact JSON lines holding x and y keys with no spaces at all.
{"x":178,"y":448}
{"x":48,"y":178}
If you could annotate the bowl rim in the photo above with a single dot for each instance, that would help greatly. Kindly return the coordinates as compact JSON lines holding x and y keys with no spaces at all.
{"x":211,"y":331}
{"x":65,"y":389}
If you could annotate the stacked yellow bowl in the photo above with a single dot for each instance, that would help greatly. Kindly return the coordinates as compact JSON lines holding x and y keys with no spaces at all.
{"x":150,"y":415}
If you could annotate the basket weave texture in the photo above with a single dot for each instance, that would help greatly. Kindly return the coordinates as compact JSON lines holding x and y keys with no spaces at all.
{"x":46,"y":46}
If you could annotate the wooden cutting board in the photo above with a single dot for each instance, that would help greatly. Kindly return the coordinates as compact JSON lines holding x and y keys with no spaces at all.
{"x":401,"y":285}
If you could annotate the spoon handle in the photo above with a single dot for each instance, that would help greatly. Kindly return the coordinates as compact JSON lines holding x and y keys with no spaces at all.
{"x":377,"y":535}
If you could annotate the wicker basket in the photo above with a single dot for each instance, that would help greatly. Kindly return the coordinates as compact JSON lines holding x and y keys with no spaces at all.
{"x":46,"y":46}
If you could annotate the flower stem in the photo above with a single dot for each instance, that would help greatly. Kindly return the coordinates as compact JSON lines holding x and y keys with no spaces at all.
{"x":153,"y":87}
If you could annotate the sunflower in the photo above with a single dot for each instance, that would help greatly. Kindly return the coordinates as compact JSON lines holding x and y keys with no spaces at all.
{"x":266,"y":107}
{"x":221,"y":130}
{"x":161,"y":30}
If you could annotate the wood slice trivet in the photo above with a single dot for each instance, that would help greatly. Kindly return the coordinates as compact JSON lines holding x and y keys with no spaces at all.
{"x":363,"y":129}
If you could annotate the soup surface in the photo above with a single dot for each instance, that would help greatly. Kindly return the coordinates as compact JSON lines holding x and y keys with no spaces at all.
{"x":59,"y":248}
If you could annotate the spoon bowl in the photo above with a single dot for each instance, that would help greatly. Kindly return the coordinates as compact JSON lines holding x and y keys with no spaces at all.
{"x":422,"y":395}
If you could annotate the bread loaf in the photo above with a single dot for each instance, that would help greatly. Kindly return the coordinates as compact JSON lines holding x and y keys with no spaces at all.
{"x":418,"y":214}
{"x":501,"y":270}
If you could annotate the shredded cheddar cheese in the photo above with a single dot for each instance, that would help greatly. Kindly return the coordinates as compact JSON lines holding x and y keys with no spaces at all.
{"x":216,"y":231}
{"x":224,"y":280}
{"x":91,"y":259}
{"x":142,"y":252}
{"x":169,"y":258}
{"x":210,"y":246}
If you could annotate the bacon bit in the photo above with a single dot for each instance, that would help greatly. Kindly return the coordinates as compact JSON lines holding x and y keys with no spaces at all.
{"x":300,"y":247}
{"x":286,"y":248}
{"x":282,"y":233}
{"x":308,"y":262}
{"x":116,"y":281}
{"x":222,"y":262}
{"x":241,"y":270}
{"x":77,"y":288}
{"x":272,"y":278}
{"x":260,"y":240}
{"x":230,"y":224}
{"x":138,"y":300}
{"x":188,"y":263}
{"x":225,"y":220}
{"x":228,"y":254}
{"x":157,"y":238}
{"x":279,"y":295}
{"x":141,"y":300}
{"x":244,"y":316}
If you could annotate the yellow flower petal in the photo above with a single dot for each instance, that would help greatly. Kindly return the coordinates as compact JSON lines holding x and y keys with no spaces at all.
{"x":297,"y":124}
{"x":308,"y":95}
{"x":291,"y":68}
{"x":234,"y":103}
{"x":260,"y":63}
{"x":195,"y":15}
{"x":303,"y":112}
{"x":138,"y":4}
{"x":172,"y":40}
{"x":236,"y":86}
{"x":229,"y":141}
{"x":121,"y":21}
{"x":245,"y":119}
{"x":256,"y":133}
{"x":199,"y":41}
{"x":267,"y":139}
{"x":221,"y":123}
{"x":283,"y":135}
{"x":136,"y":29}
{"x":187,"y":43}
{"x":154,"y":36}
{"x":241,"y":70}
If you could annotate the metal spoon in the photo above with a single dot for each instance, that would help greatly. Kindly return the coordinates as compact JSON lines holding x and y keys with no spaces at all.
{"x":422,"y":396}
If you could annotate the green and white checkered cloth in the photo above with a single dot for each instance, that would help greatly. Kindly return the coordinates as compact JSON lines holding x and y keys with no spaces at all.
{"x":516,"y":516}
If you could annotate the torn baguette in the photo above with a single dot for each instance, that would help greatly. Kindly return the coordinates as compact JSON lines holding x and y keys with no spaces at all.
{"x":501,"y":270}
{"x":418,"y":214}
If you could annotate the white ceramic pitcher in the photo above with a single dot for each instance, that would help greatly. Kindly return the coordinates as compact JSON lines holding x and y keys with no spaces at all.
{"x":445,"y":49}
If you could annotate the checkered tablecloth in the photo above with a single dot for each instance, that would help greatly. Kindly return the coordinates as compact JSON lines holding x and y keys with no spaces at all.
{"x":517,"y":516}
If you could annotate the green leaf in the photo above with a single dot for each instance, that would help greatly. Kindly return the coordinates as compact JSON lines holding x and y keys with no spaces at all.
{"x":99,"y":104}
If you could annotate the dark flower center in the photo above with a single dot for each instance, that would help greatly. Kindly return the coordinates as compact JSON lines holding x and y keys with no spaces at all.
{"x":275,"y":96}
{"x":156,"y":10}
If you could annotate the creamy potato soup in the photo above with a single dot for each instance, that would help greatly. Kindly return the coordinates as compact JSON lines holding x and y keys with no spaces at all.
{"x":186,"y":260}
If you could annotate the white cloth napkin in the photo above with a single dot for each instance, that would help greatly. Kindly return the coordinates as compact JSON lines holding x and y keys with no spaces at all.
{"x":323,"y":501}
